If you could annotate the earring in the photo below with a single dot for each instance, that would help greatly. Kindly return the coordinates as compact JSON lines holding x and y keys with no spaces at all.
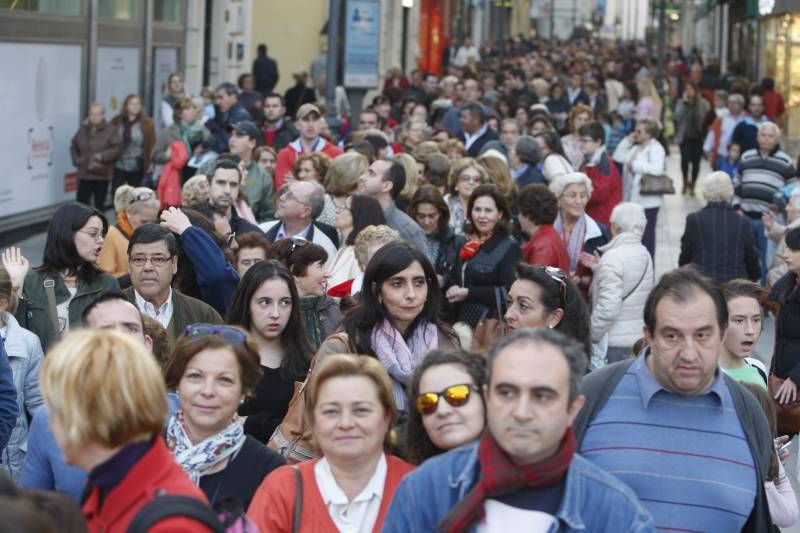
{"x":551,"y":326}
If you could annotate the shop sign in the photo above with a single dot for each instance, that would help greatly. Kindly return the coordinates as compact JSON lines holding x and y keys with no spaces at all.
{"x":362,"y":43}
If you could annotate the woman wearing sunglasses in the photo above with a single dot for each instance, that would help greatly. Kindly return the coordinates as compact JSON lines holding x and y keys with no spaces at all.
{"x":448,"y":407}
{"x":134,"y":207}
{"x":351,"y":411}
{"x":266,"y":305}
{"x":214,"y":369}
{"x":396,"y":317}
{"x":465,"y":175}
{"x":543,"y":297}
{"x":306,"y":261}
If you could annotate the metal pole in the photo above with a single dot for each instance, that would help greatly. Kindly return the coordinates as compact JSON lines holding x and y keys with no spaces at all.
{"x":332,"y":66}
{"x":552,"y":19}
{"x":662,"y":35}
{"x":91,"y":74}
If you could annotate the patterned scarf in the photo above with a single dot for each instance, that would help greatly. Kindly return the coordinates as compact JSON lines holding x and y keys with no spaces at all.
{"x":127,"y":126}
{"x":400,"y":356}
{"x":197,"y":459}
{"x":500,"y":475}
{"x":576,"y":238}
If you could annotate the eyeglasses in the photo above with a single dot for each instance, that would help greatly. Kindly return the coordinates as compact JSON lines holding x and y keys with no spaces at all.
{"x":141,"y":196}
{"x":473,"y":179}
{"x":456,"y":395}
{"x":95,"y":235}
{"x":297,"y":242}
{"x":230,"y":335}
{"x":559,"y":276}
{"x":340,"y":208}
{"x":157,"y":261}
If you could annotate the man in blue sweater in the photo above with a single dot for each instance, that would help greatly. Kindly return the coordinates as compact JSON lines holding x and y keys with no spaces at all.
{"x":687,"y":438}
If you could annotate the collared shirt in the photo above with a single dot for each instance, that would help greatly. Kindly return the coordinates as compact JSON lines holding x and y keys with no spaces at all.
{"x":649,"y":385}
{"x":359,"y":514}
{"x":469,"y":139}
{"x":282,"y":233}
{"x":163,"y":314}
{"x":519,"y":171}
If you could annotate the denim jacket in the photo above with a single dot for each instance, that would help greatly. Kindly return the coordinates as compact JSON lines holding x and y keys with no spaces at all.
{"x":594,"y":501}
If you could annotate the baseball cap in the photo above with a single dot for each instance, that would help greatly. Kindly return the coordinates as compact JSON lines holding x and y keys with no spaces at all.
{"x":245,"y":127}
{"x":307,"y":109}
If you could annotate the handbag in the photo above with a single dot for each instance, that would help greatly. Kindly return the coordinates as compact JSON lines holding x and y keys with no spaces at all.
{"x":788,"y":414}
{"x":489,"y":330}
{"x":656,"y":185}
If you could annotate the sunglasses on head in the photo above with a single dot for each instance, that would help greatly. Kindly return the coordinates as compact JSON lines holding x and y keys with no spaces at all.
{"x":559,"y":276}
{"x":230,"y":335}
{"x":456,"y":395}
{"x":297,"y":242}
{"x":141,"y":196}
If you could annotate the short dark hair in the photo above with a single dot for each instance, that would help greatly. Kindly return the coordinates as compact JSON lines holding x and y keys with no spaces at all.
{"x":792,"y":239}
{"x":538,"y":203}
{"x":742,"y":288}
{"x":225,"y":163}
{"x":397,"y":175}
{"x":437,"y":168}
{"x":552,"y":141}
{"x":681,"y":284}
{"x":476,"y":110}
{"x":150,"y":233}
{"x":594,"y":130}
{"x":209,"y":211}
{"x":60,"y":253}
{"x":297,"y":258}
{"x":228,"y":87}
{"x":275,"y":95}
{"x":491,"y":190}
{"x":107,"y":296}
{"x":573,"y":352}
{"x":768,"y":84}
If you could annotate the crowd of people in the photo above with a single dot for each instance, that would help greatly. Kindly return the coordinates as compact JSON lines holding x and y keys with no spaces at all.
{"x":447,"y":318}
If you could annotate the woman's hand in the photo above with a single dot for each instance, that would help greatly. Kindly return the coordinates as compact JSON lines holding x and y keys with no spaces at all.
{"x":783,"y":455}
{"x":456,"y":294}
{"x":590,"y":261}
{"x":175,"y":220}
{"x":769,"y":220}
{"x":787,"y":393}
{"x":17,"y":267}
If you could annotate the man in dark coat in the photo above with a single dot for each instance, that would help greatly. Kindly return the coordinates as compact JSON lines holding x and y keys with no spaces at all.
{"x":228,"y":111}
{"x":265,"y":71}
{"x":475,"y":129}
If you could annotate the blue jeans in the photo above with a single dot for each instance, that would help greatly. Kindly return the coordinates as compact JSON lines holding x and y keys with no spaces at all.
{"x":761,"y":244}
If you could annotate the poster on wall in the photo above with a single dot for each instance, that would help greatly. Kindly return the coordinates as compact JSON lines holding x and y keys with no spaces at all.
{"x":165,"y":62}
{"x":362,"y":43}
{"x":41,"y":97}
{"x":117,"y":76}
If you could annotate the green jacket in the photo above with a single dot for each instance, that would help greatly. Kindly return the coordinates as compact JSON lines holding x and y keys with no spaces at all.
{"x":185,"y":311}
{"x":32,"y":312}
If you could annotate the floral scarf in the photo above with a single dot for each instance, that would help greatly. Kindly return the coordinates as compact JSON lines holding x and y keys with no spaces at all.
{"x":576,"y":239}
{"x":400,"y":356}
{"x":197,"y":459}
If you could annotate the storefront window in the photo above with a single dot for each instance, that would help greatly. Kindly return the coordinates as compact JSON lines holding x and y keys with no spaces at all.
{"x":119,"y":9}
{"x":55,"y":7}
{"x":167,"y":11}
{"x":782,"y":63}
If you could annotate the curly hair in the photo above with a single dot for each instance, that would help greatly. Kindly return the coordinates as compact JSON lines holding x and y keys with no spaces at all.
{"x":538,"y":203}
{"x":579,"y":109}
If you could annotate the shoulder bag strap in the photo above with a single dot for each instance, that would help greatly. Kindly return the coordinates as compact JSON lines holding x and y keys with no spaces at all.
{"x":172,"y":505}
{"x":646,"y":269}
{"x":298,"y":499}
{"x":49,"y":290}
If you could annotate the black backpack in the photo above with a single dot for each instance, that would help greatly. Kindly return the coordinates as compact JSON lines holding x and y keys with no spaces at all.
{"x":169,"y":505}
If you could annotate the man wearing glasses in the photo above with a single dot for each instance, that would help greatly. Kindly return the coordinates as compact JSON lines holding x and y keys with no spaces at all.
{"x":153,"y":260}
{"x":299,"y":204}
{"x":523,"y":474}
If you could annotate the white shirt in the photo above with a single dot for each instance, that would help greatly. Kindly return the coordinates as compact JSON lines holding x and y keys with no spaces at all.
{"x":729,"y":124}
{"x":502,"y":518}
{"x":360,"y":514}
{"x":163,"y":314}
{"x":470,"y":139}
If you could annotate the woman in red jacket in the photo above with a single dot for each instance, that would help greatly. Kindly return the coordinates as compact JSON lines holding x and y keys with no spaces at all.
{"x":107,"y":404}
{"x":350,"y":405}
{"x":538,"y":209}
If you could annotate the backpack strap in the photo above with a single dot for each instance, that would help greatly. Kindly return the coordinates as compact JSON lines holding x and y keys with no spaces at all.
{"x":168,"y":505}
{"x":49,"y":291}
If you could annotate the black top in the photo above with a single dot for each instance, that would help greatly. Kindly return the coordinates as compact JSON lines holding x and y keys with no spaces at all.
{"x":240,"y":479}
{"x":266,"y":410}
{"x":786,"y":361}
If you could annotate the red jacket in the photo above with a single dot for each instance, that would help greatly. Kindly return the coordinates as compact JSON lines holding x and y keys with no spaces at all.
{"x":546,"y":248}
{"x":157,"y":470}
{"x":607,"y":189}
{"x":289,"y":155}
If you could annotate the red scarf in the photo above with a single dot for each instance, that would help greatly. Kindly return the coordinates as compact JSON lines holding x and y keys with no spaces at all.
{"x":500,"y":475}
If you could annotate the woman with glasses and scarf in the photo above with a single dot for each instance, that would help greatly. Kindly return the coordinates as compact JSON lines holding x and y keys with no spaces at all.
{"x":396,"y":317}
{"x":543,"y":297}
{"x":266,"y":305}
{"x":75,"y":238}
{"x":137,"y":133}
{"x":465,"y":176}
{"x":448,"y":407}
{"x":214,"y":369}
{"x":134,"y":207}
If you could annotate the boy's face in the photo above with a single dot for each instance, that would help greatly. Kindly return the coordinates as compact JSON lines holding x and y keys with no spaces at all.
{"x":734,"y":151}
{"x":744,"y":326}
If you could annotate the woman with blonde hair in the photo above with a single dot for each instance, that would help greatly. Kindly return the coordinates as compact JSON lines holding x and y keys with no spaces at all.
{"x":351,"y":410}
{"x":578,"y":116}
{"x":107,"y":403}
{"x":649,"y":105}
{"x":413,"y":178}
{"x":341,"y":180}
{"x":500,"y":175}
{"x":465,"y":176}
{"x":195,"y":190}
{"x":135,"y":207}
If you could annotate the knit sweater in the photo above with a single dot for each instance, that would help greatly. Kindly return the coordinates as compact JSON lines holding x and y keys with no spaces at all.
{"x":760,"y":178}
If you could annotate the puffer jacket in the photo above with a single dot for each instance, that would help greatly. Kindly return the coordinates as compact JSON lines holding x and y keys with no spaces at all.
{"x":620,"y":287}
{"x":25,"y":356}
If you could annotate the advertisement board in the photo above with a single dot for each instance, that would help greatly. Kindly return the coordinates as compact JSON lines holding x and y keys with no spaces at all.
{"x":40,"y":99}
{"x":117,"y":76}
{"x":362,"y":43}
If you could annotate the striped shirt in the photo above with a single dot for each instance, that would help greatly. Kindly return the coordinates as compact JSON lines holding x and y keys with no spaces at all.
{"x":759,"y":178}
{"x":685,"y":457}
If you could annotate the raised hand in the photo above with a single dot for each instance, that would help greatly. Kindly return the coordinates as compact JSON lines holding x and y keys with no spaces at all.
{"x":16,"y":265}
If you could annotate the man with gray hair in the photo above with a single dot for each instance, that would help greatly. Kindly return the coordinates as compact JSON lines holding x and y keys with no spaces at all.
{"x":763,"y":173}
{"x":299,"y":204}
{"x":721,"y":130}
{"x":717,"y":240}
{"x":523,"y":473}
{"x":524,"y":158}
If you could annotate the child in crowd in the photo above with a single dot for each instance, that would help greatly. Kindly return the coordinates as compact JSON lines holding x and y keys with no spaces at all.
{"x":615,"y":132}
{"x":741,"y":336}
{"x":730,"y":164}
